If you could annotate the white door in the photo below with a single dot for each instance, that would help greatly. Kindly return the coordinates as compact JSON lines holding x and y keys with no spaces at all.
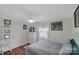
{"x":43,"y":33}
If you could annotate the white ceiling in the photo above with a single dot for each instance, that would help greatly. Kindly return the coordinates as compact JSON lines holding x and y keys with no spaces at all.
{"x":37,"y":12}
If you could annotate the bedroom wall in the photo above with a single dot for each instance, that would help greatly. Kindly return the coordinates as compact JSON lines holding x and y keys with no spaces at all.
{"x":62,"y":36}
{"x":57,"y":36}
{"x":18,"y":35}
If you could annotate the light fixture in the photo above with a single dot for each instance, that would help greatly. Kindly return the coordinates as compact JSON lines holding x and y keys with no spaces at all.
{"x":31,"y":21}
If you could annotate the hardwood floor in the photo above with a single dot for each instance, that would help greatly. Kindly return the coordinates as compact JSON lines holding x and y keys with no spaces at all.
{"x":16,"y":51}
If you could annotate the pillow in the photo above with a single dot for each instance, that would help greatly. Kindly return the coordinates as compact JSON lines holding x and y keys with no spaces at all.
{"x":75,"y":49}
{"x":73,"y":43}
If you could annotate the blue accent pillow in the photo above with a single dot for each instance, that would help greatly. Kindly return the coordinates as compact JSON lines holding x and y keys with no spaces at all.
{"x":75,"y":49}
{"x":73,"y":43}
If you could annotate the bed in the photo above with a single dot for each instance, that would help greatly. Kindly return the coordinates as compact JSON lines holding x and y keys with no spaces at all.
{"x":45,"y":47}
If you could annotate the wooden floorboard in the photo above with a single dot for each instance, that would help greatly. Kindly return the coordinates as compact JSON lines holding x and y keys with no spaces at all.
{"x":16,"y":51}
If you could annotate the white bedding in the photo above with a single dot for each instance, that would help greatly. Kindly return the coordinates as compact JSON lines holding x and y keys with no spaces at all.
{"x":44,"y":47}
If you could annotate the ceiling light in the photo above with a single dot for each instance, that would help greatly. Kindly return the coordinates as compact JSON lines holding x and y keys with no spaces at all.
{"x":31,"y":21}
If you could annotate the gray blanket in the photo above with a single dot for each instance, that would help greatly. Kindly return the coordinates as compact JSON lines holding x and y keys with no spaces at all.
{"x":44,"y":47}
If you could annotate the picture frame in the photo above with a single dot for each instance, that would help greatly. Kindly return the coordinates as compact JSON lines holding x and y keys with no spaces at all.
{"x":6,"y":36}
{"x":24,"y":26}
{"x":7,"y":31}
{"x":31,"y":29}
{"x":76,"y":17}
{"x":7,"y":22}
{"x":57,"y":26}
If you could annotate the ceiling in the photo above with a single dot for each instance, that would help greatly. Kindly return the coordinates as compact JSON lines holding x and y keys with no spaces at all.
{"x":37,"y":12}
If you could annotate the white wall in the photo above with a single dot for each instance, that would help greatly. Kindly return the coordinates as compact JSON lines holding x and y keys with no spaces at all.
{"x":62,"y":36}
{"x":57,"y":36}
{"x":18,"y":35}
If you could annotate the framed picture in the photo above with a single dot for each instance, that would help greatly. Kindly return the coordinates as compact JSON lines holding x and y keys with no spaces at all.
{"x":31,"y":29}
{"x":7,"y":36}
{"x":7,"y":22}
{"x":76,"y":17}
{"x":24,"y":26}
{"x":7,"y":31}
{"x":57,"y":26}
